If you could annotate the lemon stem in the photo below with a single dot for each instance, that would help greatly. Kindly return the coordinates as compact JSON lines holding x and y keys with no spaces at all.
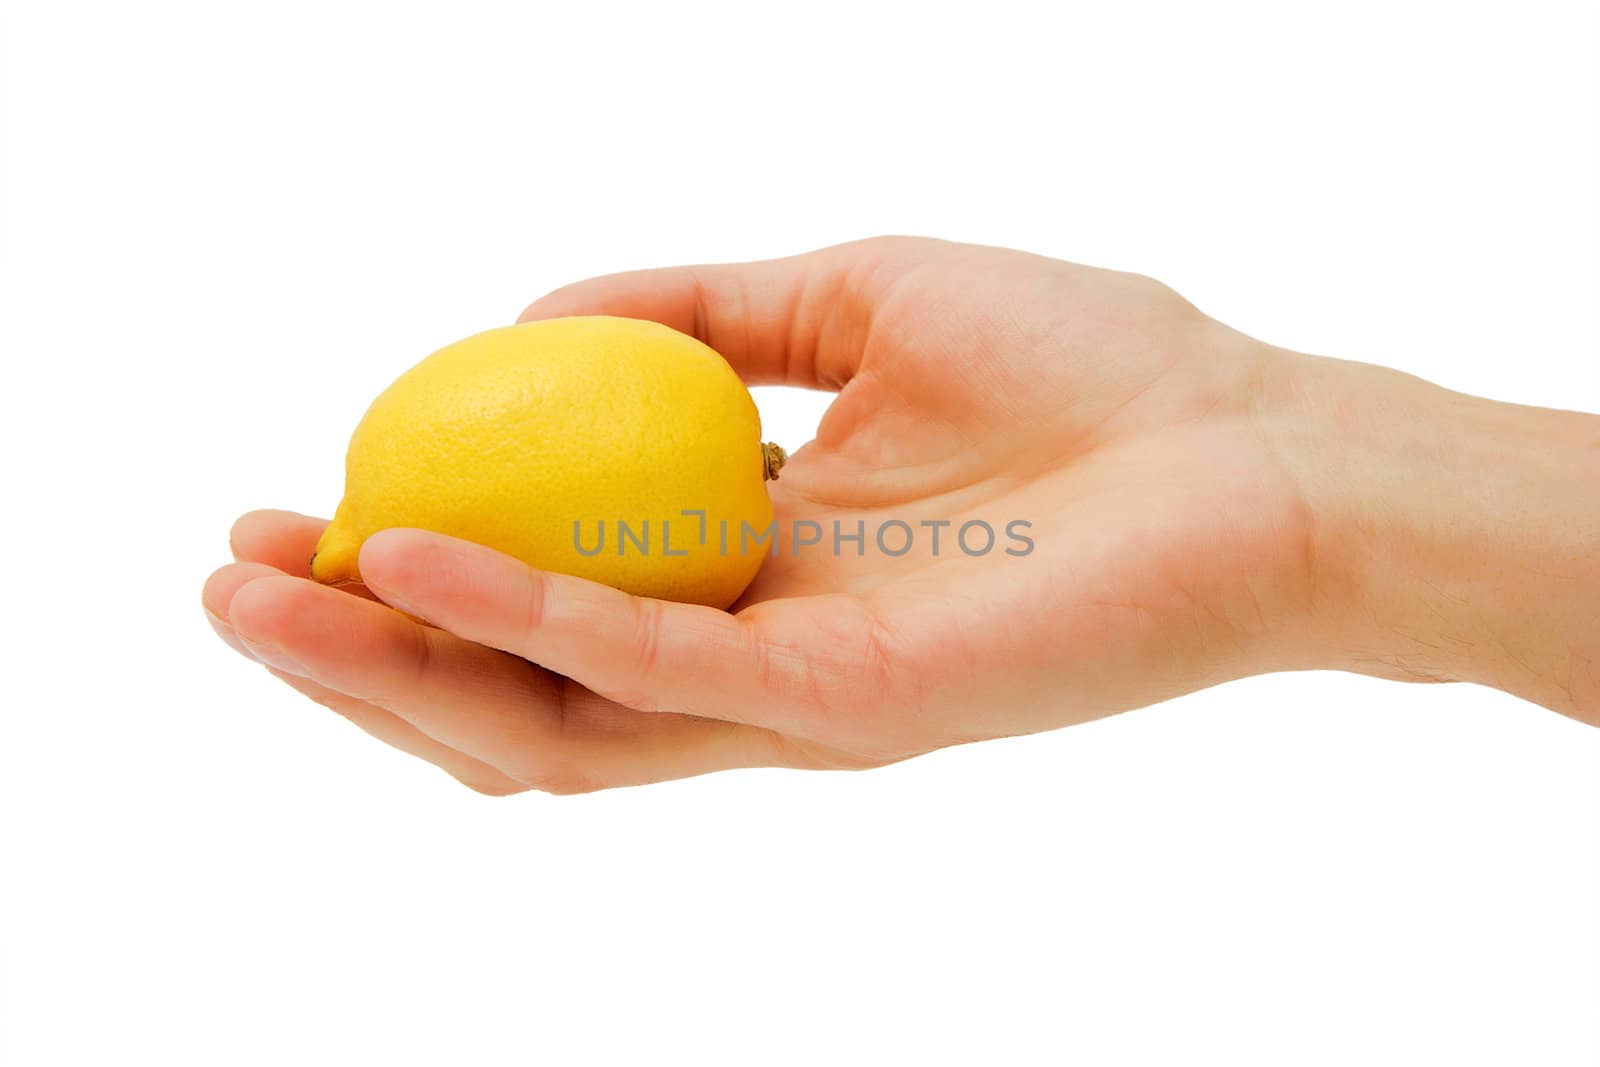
{"x":774,"y":457}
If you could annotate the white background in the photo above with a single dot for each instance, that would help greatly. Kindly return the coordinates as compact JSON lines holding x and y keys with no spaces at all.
{"x":228,"y":226}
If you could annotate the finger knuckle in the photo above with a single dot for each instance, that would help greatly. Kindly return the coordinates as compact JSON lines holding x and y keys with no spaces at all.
{"x":564,"y":786}
{"x":533,"y":608}
{"x":492,"y":788}
{"x":647,"y":639}
{"x":560,"y":779}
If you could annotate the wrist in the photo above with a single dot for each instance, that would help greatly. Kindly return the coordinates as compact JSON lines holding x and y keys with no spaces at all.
{"x":1452,"y":538}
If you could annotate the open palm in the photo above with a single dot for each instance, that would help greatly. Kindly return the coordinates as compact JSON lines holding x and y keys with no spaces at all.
{"x":1043,"y":493}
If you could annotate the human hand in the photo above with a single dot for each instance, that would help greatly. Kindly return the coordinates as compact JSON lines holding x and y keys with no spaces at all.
{"x":1191,"y":517}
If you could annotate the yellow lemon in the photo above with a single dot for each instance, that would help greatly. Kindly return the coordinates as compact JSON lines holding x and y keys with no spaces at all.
{"x":614,"y":449}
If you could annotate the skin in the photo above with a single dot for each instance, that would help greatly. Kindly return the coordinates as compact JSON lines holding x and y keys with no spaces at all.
{"x":1203,"y":507}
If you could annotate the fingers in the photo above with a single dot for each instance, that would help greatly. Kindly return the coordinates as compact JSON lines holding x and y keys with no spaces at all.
{"x":385,"y":726}
{"x":280,"y":539}
{"x":502,"y":711}
{"x":647,"y":654}
{"x":218,"y":592}
{"x":284,"y":540}
{"x":397,"y":733}
{"x":801,"y":320}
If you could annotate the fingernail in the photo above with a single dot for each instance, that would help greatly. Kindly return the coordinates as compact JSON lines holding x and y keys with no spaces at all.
{"x":275,"y":657}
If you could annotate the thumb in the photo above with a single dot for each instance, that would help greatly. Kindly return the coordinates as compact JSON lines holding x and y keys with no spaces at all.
{"x":799,"y":320}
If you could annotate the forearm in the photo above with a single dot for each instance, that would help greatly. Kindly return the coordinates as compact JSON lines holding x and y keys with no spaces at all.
{"x":1453,"y":538}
